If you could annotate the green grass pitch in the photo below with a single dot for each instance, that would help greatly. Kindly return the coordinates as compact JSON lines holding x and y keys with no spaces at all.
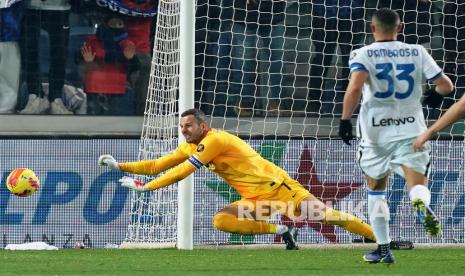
{"x":441,"y":261}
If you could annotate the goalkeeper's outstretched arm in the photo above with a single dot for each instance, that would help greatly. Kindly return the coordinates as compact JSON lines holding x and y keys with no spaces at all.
{"x":150,"y":167}
{"x":174,"y":175}
{"x":145,"y":167}
{"x":195,"y":129}
{"x":213,"y":147}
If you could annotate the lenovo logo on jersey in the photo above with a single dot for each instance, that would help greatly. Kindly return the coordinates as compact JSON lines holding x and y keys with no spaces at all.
{"x":392,"y":121}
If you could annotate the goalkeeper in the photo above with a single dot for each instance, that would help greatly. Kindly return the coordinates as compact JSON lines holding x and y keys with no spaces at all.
{"x":264,"y":187}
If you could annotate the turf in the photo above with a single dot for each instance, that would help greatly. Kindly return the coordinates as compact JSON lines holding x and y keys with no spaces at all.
{"x":227,"y":262}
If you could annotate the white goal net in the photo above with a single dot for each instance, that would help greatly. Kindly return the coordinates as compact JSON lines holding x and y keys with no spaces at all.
{"x":153,"y":215}
{"x":274,"y":72}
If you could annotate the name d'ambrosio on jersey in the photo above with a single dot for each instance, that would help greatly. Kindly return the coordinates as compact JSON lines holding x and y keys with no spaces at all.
{"x":405,"y":52}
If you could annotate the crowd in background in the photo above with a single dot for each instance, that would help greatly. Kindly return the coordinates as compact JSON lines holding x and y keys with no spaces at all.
{"x":68,"y":57}
{"x":276,"y":58}
{"x":252,"y":56}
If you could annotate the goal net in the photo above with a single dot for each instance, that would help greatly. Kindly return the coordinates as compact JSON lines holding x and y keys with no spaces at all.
{"x":274,"y":72}
{"x":153,"y":215}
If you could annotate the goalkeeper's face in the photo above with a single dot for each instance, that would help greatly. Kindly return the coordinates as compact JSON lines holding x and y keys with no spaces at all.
{"x":192,"y":130}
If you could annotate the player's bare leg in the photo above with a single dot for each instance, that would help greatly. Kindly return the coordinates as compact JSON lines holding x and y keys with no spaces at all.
{"x":421,"y":197}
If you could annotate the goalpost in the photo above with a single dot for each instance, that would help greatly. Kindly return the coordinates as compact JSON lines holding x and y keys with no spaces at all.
{"x":274,"y":72}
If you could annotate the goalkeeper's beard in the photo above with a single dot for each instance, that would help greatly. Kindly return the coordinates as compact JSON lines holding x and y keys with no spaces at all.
{"x":191,"y":138}
{"x":188,"y":138}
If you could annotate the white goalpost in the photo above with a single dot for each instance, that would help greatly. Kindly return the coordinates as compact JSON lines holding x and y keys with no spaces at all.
{"x":186,"y":101}
{"x":274,"y":72}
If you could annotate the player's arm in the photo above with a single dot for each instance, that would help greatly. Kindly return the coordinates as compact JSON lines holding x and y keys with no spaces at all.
{"x":433,"y":73}
{"x":153,"y":167}
{"x":147,"y":167}
{"x":212,"y":147}
{"x":455,"y":112}
{"x":434,"y":96}
{"x":443,"y":85}
{"x":351,"y":100}
{"x":353,"y":93}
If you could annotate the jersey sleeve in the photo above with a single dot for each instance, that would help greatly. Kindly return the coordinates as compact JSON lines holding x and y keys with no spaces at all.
{"x":357,"y":61}
{"x":174,"y":175}
{"x":210,"y":147}
{"x":431,"y":70}
{"x":152,"y":167}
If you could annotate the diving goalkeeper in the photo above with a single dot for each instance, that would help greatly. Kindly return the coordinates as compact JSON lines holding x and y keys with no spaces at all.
{"x":264,"y":187}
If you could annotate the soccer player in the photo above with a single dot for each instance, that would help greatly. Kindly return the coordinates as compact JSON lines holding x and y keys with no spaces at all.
{"x":264,"y":187}
{"x":390,"y":74}
{"x":455,"y":112}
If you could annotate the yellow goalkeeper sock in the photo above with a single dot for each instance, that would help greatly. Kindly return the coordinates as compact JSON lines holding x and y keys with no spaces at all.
{"x":230,"y":223}
{"x":349,"y":222}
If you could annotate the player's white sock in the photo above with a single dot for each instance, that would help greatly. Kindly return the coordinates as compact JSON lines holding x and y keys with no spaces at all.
{"x":421,"y":192}
{"x":281,"y":229}
{"x":378,"y":211}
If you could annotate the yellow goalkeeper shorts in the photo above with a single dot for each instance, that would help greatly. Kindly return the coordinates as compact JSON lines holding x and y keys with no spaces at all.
{"x":285,"y":199}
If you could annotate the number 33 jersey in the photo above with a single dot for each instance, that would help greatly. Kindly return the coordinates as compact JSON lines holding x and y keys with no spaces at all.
{"x":391,"y":103}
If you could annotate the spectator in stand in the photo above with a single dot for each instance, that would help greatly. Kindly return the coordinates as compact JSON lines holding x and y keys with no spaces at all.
{"x":253,"y":22}
{"x":140,"y":32}
{"x":335,"y":23}
{"x":52,"y":16}
{"x":10,"y":58}
{"x":109,"y":57}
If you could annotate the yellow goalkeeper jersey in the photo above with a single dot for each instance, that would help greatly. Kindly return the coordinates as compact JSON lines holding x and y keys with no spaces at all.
{"x":222,"y":153}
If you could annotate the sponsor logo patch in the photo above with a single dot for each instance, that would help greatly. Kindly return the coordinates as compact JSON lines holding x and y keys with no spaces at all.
{"x":392,"y":121}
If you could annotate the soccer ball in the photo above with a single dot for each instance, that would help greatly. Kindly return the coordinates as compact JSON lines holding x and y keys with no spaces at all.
{"x":22,"y":182}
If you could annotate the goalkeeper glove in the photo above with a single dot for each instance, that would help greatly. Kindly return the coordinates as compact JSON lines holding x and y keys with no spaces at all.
{"x":432,"y":98}
{"x":133,"y":184}
{"x":345,"y":131}
{"x":108,"y":160}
